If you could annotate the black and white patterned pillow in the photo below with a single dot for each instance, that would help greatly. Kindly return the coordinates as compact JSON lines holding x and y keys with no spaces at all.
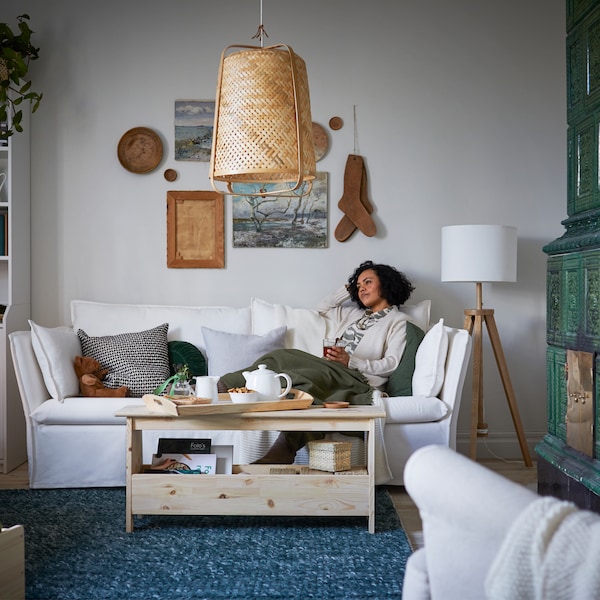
{"x":138,"y":360}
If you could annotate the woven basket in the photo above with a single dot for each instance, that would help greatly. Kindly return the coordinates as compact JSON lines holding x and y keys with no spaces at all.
{"x":3,"y":70}
{"x":324,"y":455}
{"x":257,"y":137}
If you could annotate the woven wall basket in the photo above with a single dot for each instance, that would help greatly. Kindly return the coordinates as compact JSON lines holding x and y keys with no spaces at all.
{"x":3,"y":70}
{"x":257,"y":137}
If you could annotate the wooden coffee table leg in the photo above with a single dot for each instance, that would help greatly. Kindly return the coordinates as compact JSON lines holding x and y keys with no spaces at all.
{"x":371,"y":469}
{"x":133,"y":465}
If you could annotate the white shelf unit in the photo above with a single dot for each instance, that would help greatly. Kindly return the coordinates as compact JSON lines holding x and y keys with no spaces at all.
{"x":15,"y":290}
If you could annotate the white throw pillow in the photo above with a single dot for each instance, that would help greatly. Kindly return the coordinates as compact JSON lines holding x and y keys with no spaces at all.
{"x":228,"y":352}
{"x":306,"y":328}
{"x":55,"y":350}
{"x":430,"y":362}
{"x":414,"y":409}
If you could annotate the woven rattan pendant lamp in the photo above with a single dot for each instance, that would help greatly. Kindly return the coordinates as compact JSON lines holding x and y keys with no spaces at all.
{"x":263,"y":126}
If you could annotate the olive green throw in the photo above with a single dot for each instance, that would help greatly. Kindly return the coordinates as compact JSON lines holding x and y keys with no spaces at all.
{"x":323,"y":379}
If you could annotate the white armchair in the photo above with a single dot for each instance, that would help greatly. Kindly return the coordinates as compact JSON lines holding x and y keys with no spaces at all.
{"x":466,"y":511}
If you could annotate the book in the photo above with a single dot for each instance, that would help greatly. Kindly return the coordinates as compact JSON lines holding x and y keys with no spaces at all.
{"x":183,"y":446}
{"x":3,"y":223}
{"x":199,"y":464}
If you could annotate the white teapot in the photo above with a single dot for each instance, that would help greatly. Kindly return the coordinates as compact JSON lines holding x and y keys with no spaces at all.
{"x":267,"y":384}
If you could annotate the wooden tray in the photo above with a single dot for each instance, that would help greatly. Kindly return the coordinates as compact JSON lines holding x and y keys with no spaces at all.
{"x":160,"y":404}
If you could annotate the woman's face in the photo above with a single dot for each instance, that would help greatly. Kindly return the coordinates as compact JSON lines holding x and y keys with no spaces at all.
{"x":369,"y":291}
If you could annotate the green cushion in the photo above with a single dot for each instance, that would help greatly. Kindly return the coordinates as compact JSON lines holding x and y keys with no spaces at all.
{"x":400,"y":381}
{"x":185,"y":353}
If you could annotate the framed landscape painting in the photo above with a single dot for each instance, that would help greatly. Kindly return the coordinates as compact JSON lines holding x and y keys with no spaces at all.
{"x":194,"y":122}
{"x":281,"y":221}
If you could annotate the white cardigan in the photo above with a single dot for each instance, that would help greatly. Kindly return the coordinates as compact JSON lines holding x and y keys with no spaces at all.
{"x":385,"y":340}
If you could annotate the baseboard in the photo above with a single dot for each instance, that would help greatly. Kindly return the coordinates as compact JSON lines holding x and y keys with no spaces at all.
{"x":502,"y":445}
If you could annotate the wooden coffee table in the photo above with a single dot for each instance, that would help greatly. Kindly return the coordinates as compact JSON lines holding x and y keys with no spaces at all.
{"x":253,"y":489}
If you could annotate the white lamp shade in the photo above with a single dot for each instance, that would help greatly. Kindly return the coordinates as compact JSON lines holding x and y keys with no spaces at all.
{"x":479,"y":253}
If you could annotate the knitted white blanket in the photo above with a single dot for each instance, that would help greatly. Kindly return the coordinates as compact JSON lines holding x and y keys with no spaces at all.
{"x":551,"y":552}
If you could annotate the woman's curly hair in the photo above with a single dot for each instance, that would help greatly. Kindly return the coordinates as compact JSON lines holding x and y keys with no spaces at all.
{"x":395,"y":287}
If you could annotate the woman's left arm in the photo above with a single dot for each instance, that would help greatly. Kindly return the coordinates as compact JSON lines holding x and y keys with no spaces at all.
{"x":382,"y":354}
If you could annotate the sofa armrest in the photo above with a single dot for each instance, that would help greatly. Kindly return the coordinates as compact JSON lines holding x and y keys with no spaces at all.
{"x":29,"y":377}
{"x":466,"y":510}
{"x":414,"y":409}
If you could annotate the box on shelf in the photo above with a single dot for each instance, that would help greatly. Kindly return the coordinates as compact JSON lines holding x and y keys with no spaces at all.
{"x":325,"y":455}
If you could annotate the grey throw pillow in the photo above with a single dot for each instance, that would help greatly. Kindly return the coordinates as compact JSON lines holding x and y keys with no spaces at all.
{"x":228,"y":352}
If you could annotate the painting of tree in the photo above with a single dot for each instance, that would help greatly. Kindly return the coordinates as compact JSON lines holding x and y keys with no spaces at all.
{"x":281,"y":221}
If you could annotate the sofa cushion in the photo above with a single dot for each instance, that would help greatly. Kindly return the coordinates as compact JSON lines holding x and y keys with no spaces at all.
{"x":306,"y":328}
{"x":55,"y":350}
{"x":419,"y":313}
{"x":185,"y":353}
{"x":229,"y":352}
{"x":430,"y":362}
{"x":400,"y":381}
{"x":82,"y":411}
{"x":414,"y":409}
{"x":137,"y":360}
{"x":185,"y":322}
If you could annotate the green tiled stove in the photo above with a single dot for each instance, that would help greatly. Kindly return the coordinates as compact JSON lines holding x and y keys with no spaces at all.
{"x":569,"y":454}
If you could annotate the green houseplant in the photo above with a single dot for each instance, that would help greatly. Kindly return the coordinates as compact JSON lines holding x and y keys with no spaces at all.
{"x":16,"y":52}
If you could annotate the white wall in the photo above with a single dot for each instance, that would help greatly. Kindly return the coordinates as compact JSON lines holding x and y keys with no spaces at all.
{"x":461,"y":117}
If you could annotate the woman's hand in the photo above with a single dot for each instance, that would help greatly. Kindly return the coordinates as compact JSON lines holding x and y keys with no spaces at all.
{"x":337,"y":354}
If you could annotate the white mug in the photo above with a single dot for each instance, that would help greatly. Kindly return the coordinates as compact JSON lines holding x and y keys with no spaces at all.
{"x":2,"y":180}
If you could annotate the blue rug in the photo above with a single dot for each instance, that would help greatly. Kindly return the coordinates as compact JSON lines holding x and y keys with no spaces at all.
{"x":76,"y":547}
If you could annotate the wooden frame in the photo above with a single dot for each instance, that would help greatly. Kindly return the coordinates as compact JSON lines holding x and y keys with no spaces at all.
{"x":195,"y":230}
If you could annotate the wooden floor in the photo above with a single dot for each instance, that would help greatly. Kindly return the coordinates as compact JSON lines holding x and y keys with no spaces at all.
{"x":409,"y":515}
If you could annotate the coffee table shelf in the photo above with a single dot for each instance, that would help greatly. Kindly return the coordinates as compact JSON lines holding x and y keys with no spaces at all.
{"x":253,"y":489}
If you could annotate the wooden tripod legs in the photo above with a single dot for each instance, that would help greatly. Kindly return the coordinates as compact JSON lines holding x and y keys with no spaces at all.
{"x":474,"y":319}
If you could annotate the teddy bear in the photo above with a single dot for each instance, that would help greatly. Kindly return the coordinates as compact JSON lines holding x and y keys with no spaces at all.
{"x":90,"y":374}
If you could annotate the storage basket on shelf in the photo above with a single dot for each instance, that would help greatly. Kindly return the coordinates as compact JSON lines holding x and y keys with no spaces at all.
{"x":325,"y":455}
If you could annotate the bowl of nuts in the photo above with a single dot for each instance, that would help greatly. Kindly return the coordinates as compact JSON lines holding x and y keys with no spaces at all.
{"x":242,"y":395}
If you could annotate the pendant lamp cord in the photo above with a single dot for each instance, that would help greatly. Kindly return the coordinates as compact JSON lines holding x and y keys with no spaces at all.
{"x":261,"y":33}
{"x":355,"y":133}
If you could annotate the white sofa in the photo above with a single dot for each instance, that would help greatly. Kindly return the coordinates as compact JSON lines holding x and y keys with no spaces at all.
{"x":78,"y":442}
{"x":486,"y":537}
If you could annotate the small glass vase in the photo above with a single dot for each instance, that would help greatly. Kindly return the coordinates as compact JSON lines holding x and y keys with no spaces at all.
{"x":181,"y":389}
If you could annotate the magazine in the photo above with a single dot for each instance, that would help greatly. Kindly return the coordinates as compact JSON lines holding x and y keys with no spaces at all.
{"x":198,"y":464}
{"x":183,"y":446}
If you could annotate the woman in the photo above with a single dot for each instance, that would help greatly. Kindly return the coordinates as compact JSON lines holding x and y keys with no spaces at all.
{"x":374,"y":335}
{"x":374,"y":331}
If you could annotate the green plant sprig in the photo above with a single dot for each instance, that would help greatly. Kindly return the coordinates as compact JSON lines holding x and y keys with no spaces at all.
{"x":16,"y":51}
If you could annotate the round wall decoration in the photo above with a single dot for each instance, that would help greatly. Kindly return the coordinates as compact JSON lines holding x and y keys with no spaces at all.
{"x":321,"y":141}
{"x":170,"y":174}
{"x":140,"y":150}
{"x":336,"y":123}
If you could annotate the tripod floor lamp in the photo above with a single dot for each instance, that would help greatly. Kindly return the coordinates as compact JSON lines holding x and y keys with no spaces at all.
{"x":484,"y":253}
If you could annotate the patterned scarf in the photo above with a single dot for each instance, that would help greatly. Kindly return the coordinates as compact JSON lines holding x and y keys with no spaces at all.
{"x":354,"y":333}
